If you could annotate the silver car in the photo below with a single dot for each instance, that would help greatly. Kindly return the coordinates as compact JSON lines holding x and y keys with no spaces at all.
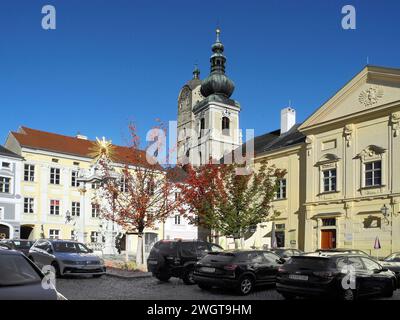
{"x":67,"y":257}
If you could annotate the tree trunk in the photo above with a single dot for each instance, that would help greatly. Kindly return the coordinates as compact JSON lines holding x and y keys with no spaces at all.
{"x":126,"y":249}
{"x":238,"y":243}
{"x":139,"y":251}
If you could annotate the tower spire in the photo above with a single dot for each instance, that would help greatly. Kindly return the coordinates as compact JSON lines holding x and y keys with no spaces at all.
{"x":196,"y":72}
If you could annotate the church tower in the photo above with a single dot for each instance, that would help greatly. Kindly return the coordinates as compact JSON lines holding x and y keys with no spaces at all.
{"x":208,"y":119}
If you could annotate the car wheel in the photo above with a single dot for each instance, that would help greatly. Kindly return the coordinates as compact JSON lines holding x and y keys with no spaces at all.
{"x":203,"y":286}
{"x":163,"y":277}
{"x":188,"y":276}
{"x":245,"y":285}
{"x":349,"y":295}
{"x":288,"y":296}
{"x":57,"y":269}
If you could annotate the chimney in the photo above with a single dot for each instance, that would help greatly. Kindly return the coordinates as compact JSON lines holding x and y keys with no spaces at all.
{"x":288,"y":119}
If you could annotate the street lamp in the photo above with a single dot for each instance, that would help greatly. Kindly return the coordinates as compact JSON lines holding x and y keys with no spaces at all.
{"x":385,"y":212}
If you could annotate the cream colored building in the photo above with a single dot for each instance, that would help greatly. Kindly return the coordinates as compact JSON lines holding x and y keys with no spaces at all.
{"x":343,"y":169}
{"x":354,"y":136}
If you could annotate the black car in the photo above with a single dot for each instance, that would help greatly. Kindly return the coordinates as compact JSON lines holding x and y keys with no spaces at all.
{"x":19,"y":245}
{"x":176,"y":258}
{"x":343,"y":251}
{"x":343,"y":276}
{"x":286,"y":253}
{"x":239,"y":270}
{"x":20,"y":279}
{"x":392,"y":262}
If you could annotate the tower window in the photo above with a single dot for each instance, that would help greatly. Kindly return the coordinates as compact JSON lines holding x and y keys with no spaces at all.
{"x":225,"y":125}
{"x":202,"y":126}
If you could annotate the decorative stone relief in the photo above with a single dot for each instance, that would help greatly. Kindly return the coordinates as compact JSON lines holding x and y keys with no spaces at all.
{"x":370,"y":96}
{"x":371,"y":152}
{"x":348,"y":133}
{"x":395,"y":122}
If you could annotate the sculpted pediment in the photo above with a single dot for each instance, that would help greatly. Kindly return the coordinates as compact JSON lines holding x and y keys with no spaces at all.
{"x":372,"y":89}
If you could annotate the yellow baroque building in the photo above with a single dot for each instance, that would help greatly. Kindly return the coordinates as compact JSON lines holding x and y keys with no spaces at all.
{"x":342,"y":188}
{"x":56,"y":203}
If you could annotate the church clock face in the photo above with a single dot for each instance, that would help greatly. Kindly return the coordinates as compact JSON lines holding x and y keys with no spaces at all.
{"x":184,"y":100}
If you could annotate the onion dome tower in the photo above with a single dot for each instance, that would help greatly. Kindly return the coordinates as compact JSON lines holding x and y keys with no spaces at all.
{"x":217,"y":83}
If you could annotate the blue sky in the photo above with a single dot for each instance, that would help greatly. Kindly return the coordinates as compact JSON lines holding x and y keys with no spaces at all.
{"x":111,"y":62}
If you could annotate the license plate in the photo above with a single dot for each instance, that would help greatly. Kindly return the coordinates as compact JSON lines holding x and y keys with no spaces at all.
{"x":298,"y":277}
{"x":208,"y":270}
{"x":152,"y":262}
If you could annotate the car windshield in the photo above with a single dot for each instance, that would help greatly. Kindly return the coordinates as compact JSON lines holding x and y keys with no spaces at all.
{"x":20,"y":244}
{"x":310,"y":263}
{"x":392,"y":257}
{"x":70,"y":247}
{"x":220,"y":257}
{"x":15,"y":271}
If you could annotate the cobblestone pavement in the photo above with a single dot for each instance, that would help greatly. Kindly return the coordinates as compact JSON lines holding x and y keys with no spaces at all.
{"x":106,"y":288}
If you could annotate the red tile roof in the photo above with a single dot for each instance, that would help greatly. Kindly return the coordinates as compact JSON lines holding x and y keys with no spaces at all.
{"x":36,"y":139}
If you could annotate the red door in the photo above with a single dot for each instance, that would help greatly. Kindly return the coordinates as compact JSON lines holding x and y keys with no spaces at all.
{"x":328,"y":239}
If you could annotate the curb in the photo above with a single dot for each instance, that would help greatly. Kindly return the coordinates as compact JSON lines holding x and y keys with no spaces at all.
{"x":136,"y":276}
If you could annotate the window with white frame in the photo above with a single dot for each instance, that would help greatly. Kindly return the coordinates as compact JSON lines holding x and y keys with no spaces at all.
{"x":76,"y":209}
{"x":74,"y":179}
{"x":5,"y":185}
{"x":95,"y":236}
{"x":373,"y":159}
{"x":55,"y":207}
{"x":373,"y":173}
{"x":123,"y":185}
{"x":329,"y":180}
{"x":28,"y":205}
{"x":54,"y":176}
{"x":6,"y":165}
{"x":95,"y":210}
{"x":54,"y":234}
{"x":29,"y":172}
{"x":328,"y":171}
{"x":281,"y":192}
{"x":177,"y":219}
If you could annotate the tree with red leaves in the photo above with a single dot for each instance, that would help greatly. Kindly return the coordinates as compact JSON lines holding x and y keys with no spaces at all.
{"x":220,"y":199}
{"x":136,"y":197}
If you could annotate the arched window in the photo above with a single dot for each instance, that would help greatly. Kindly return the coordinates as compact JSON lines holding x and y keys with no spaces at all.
{"x":225,"y":125}
{"x":202,"y":126}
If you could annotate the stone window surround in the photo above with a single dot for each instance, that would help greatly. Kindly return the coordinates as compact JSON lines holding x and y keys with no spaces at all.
{"x":328,"y":162}
{"x":371,"y":154}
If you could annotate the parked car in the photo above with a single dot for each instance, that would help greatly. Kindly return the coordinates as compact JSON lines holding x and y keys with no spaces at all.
{"x":286,"y":253}
{"x":344,"y":251}
{"x":322,"y":275}
{"x":392,"y":262}
{"x":67,"y":257}
{"x":239,"y":270}
{"x":176,"y":258}
{"x":20,"y":279}
{"x":18,"y":244}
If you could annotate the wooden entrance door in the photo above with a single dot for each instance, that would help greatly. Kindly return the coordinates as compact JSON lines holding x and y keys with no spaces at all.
{"x":328,"y":239}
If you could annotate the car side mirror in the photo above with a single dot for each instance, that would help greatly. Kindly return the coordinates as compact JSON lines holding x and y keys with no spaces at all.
{"x":49,"y":250}
{"x":281,"y":261}
{"x":90,"y":250}
{"x":384,"y":269}
{"x":379,"y":270}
